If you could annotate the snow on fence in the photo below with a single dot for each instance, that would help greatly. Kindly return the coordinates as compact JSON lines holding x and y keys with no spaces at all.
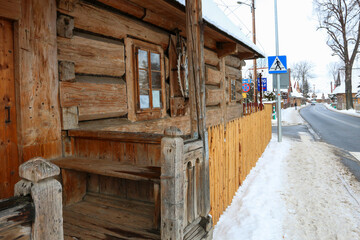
{"x":234,"y":149}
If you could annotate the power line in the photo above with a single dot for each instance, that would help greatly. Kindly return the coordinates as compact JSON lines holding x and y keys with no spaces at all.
{"x":227,"y":6}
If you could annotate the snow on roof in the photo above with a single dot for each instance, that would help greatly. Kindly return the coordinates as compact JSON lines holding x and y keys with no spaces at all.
{"x":341,"y":88}
{"x":296,"y":94}
{"x":213,"y":15}
{"x":355,"y":82}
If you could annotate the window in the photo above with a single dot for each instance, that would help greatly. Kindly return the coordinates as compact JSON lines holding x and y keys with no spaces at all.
{"x":146,"y":83}
{"x":232,"y":90}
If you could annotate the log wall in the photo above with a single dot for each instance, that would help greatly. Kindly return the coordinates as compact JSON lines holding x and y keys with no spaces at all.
{"x":234,"y":149}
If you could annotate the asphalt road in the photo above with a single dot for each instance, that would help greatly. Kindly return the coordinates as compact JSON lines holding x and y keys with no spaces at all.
{"x":338,"y":129}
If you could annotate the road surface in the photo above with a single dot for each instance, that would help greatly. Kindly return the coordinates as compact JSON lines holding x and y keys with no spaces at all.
{"x":340,"y":130}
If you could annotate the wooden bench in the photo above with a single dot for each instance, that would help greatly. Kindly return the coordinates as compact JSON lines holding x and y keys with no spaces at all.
{"x":99,"y":216}
{"x":110,"y":168}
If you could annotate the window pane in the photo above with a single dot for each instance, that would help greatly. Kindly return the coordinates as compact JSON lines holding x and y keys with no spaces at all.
{"x":233,"y":89}
{"x":142,"y":58}
{"x":156,"y":79}
{"x":144,"y":99}
{"x":143,"y":79}
{"x":155,"y":61}
{"x":156,"y":99}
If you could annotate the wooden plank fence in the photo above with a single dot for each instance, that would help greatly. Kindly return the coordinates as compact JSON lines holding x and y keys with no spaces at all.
{"x":234,"y":149}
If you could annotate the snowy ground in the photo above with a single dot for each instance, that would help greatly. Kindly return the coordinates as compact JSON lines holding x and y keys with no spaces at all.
{"x":290,"y":117}
{"x":298,"y":190}
{"x":349,"y":112}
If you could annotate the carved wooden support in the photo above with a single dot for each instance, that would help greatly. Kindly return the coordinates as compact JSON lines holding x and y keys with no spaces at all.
{"x":37,"y":179}
{"x":172,"y":184}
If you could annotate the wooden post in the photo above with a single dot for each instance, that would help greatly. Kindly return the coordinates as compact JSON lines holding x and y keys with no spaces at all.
{"x":37,"y":179}
{"x":172,"y":184}
{"x":195,"y":51}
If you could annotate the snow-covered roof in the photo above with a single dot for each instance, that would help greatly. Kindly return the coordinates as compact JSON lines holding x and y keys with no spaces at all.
{"x":296,"y":94}
{"x":355,"y":82}
{"x":213,"y":15}
{"x":341,"y":88}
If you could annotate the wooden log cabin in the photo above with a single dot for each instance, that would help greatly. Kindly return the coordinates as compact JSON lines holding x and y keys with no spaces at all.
{"x":92,"y":85}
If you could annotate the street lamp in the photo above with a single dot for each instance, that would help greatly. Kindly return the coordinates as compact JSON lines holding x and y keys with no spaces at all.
{"x":252,"y":6}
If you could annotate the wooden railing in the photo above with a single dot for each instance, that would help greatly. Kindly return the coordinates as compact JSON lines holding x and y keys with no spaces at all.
{"x":234,"y":149}
{"x":36,"y":210}
{"x":249,"y":108}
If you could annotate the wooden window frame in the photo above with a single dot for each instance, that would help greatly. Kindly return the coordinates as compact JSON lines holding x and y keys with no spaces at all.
{"x":135,"y":113}
{"x":231,"y":100}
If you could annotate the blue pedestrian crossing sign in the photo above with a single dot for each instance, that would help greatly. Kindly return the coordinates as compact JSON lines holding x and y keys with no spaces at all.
{"x":277,"y":64}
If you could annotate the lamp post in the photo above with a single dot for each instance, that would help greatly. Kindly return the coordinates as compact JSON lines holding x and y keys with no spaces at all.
{"x":252,"y":6}
{"x":278,"y":98}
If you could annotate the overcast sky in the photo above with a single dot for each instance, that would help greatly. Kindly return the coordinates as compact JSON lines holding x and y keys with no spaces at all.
{"x":298,"y":35}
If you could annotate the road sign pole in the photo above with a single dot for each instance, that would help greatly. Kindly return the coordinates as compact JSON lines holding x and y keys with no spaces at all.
{"x":278,"y":109}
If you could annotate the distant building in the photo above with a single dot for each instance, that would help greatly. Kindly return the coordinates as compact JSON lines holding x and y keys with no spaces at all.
{"x":339,"y":91}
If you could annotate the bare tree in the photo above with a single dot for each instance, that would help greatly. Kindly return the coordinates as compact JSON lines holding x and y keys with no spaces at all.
{"x":341,"y":20}
{"x":302,"y":72}
{"x":334,"y":71}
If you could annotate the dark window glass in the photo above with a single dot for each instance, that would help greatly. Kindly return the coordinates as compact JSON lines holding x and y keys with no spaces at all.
{"x":156,"y":79}
{"x":155,"y":61}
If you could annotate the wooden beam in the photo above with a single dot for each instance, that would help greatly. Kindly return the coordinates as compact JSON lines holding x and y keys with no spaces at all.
{"x":213,"y":76}
{"x":110,"y":168}
{"x":10,"y":9}
{"x":92,"y":56}
{"x":125,"y":6}
{"x":234,"y":62}
{"x":214,"y":96}
{"x":234,"y":72}
{"x":114,"y":25}
{"x":226,"y":48}
{"x":245,"y":55}
{"x":195,"y":51}
{"x":94,"y":100}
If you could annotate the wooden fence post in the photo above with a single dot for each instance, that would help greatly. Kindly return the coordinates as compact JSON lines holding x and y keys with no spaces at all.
{"x":37,"y":179}
{"x":172,"y":184}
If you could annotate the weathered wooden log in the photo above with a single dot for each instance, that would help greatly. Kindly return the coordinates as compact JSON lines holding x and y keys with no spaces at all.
{"x":234,"y":62}
{"x":172,"y":184}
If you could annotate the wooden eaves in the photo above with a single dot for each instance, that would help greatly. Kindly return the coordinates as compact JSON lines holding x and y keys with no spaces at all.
{"x":170,"y":15}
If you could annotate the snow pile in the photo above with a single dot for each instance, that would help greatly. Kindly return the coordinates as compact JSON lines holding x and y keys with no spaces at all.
{"x":289,"y":117}
{"x":298,"y":190}
{"x":257,"y":210}
{"x":351,"y":112}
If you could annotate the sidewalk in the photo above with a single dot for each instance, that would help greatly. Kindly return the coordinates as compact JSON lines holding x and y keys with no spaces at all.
{"x":298,"y":190}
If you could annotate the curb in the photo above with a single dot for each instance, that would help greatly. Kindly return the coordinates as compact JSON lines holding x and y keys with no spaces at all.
{"x":315,"y":136}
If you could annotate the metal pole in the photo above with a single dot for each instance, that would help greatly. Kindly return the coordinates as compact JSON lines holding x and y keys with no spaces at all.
{"x":278,"y":103}
{"x":254,"y":41}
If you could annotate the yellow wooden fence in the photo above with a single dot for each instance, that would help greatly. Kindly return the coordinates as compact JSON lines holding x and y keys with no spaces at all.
{"x":234,"y":149}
